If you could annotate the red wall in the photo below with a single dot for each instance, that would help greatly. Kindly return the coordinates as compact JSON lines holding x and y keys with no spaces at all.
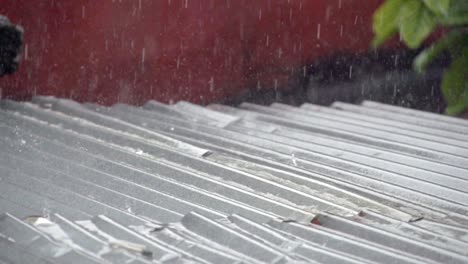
{"x":198,"y":50}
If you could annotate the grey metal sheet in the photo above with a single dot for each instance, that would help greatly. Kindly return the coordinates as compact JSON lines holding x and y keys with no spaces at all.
{"x":297,"y":159}
{"x":356,"y":138}
{"x":110,"y":197}
{"x":307,"y":108}
{"x":362,"y":150}
{"x":175,"y":128}
{"x":424,"y":122}
{"x":165,"y":165}
{"x":64,"y":198}
{"x":363,"y":124}
{"x":415,"y":113}
{"x":188,"y":184}
{"x":367,"y":161}
{"x":412,"y":245}
{"x":75,"y":109}
{"x":348,"y":244}
{"x":224,"y":135}
{"x":188,"y":194}
{"x":282,"y":242}
{"x":29,"y":240}
{"x":454,"y":147}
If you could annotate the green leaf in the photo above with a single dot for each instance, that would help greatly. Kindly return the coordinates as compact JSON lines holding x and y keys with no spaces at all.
{"x":457,"y":14}
{"x":456,"y":109}
{"x":455,"y":84}
{"x":416,"y":22}
{"x":451,"y":40}
{"x":424,"y":58}
{"x":458,"y":6}
{"x":385,"y":21}
{"x":439,"y":7}
{"x":455,"y":20}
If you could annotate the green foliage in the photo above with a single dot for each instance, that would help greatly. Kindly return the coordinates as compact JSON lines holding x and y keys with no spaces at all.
{"x":457,"y":14}
{"x":455,"y":84}
{"x":415,"y":20}
{"x":452,"y":41}
{"x":386,"y":21}
{"x":439,"y":7}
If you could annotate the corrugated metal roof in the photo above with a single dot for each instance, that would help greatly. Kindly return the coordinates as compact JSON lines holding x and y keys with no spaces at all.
{"x":189,"y":184}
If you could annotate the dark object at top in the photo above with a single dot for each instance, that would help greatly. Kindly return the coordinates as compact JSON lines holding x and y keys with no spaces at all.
{"x":11,"y":38}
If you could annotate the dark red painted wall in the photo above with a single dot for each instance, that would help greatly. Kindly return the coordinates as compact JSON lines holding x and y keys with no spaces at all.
{"x":198,"y":50}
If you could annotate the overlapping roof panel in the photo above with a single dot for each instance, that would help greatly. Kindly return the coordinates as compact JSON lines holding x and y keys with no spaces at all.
{"x":83,"y":183}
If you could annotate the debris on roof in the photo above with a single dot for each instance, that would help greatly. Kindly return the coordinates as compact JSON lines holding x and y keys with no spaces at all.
{"x":83,"y":183}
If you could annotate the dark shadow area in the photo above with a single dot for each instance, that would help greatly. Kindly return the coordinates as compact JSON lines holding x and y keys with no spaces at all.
{"x":384,"y":76}
{"x":10,"y":45}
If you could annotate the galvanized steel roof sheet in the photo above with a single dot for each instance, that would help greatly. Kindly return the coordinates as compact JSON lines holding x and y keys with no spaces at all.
{"x":83,"y":183}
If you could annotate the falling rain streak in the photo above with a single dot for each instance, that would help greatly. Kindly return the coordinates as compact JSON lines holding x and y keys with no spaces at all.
{"x":318,"y":31}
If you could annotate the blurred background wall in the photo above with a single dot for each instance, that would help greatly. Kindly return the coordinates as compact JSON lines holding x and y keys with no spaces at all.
{"x":197,"y":50}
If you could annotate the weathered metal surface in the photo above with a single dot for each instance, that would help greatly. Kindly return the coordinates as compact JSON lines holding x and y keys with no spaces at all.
{"x":182,"y":183}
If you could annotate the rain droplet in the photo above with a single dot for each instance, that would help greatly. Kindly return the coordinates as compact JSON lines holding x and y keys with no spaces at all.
{"x":318,"y":31}
{"x":293,"y":159}
{"x":26,"y":52}
{"x":211,"y":83}
{"x":143,"y":53}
